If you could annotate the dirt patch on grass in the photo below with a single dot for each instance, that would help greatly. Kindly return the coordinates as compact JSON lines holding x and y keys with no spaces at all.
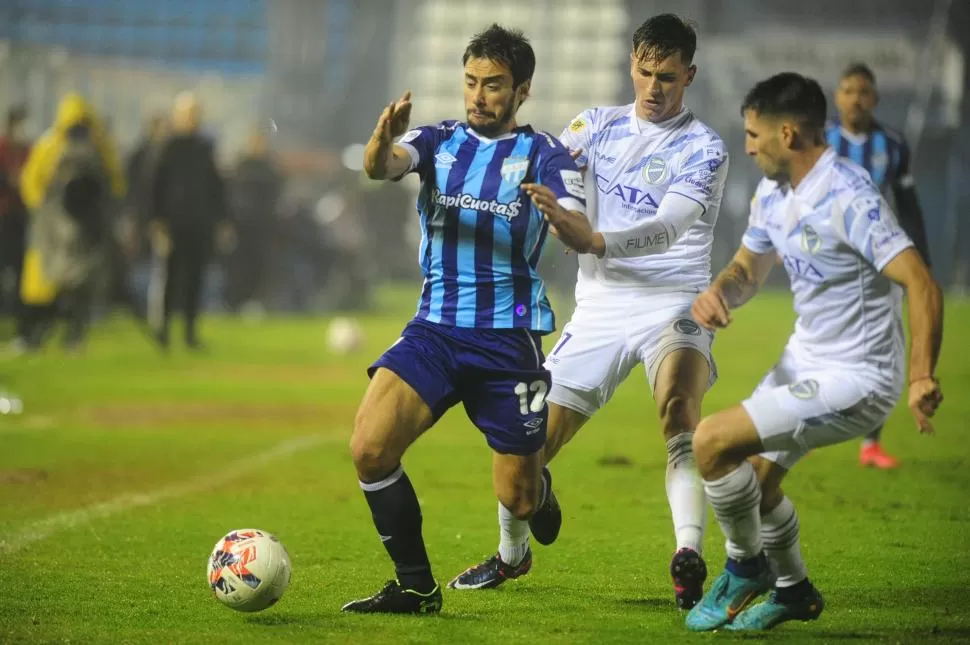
{"x":285,"y":374}
{"x":168,"y":414}
{"x":22,"y":476}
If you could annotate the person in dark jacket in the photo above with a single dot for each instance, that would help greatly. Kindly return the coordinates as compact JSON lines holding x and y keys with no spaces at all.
{"x":189,"y":215}
{"x":255,"y":193}
{"x":140,"y":170}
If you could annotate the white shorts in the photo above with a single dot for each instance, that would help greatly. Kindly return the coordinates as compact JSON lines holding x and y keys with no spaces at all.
{"x":797,"y":408}
{"x":608,"y":336}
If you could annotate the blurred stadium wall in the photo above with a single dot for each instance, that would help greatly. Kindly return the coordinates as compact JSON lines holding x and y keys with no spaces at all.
{"x":322,"y":69}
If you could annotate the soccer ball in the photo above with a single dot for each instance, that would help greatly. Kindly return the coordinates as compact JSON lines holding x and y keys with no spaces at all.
{"x":249,"y":570}
{"x":344,"y":336}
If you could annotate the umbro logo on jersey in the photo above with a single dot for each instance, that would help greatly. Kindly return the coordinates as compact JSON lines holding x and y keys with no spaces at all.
{"x":444,"y":160}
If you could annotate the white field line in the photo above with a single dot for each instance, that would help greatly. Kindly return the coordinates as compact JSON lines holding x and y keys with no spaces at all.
{"x":45,"y":528}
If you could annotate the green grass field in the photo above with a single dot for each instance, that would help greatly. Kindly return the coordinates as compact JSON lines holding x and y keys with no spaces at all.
{"x":127,"y":466}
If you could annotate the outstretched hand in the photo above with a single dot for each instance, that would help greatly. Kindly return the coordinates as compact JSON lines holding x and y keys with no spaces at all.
{"x":394,"y":120}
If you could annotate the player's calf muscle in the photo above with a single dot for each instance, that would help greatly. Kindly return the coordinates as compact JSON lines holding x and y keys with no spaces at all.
{"x":517,"y":483}
{"x":679,"y":412}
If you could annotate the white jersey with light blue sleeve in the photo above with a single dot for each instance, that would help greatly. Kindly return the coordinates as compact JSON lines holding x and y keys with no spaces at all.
{"x":835,"y":233}
{"x":633,"y":165}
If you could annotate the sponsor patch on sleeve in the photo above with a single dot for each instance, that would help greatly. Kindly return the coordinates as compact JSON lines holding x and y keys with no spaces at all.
{"x":572,"y":180}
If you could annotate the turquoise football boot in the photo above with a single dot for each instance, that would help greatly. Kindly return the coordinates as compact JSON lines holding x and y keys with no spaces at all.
{"x":772,"y":612}
{"x":728,"y":596}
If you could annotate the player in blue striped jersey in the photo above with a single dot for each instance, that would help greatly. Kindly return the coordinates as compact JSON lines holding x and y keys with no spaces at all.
{"x":883,"y":152}
{"x":490,"y":189}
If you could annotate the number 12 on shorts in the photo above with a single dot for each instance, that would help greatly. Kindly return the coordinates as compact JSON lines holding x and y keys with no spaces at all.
{"x":538,"y":389}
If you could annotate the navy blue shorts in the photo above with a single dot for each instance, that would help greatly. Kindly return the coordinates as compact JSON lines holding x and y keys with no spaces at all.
{"x":496,"y":373}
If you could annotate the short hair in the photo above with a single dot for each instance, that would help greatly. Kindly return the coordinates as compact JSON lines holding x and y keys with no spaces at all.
{"x":789,"y":94}
{"x":859,"y":69}
{"x":507,"y":46}
{"x":664,"y":35}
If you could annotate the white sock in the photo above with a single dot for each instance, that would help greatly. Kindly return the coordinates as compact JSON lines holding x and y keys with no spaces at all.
{"x":513,"y":536}
{"x":779,"y":531}
{"x":685,"y":493}
{"x":735,"y":498}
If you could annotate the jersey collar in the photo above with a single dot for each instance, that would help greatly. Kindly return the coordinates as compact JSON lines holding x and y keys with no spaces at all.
{"x":639,"y":126}
{"x":526,"y":129}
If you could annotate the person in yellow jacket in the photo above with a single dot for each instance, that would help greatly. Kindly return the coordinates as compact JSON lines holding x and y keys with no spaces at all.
{"x":67,"y":184}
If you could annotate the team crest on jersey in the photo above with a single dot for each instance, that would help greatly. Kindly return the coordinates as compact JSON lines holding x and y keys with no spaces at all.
{"x":811,"y":242}
{"x":804,"y":390}
{"x":514,"y":169}
{"x":655,"y":171}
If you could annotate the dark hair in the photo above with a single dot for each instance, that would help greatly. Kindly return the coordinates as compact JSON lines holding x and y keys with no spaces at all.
{"x":663,"y":36}
{"x":507,"y":46}
{"x":859,"y":69}
{"x":789,"y":94}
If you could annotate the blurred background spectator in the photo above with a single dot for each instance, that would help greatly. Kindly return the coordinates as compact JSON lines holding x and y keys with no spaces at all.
{"x":69,"y":183}
{"x":291,"y":88}
{"x":14,"y":147}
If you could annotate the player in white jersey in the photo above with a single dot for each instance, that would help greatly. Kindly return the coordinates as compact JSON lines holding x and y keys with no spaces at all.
{"x":659,"y":174}
{"x":844,"y":367}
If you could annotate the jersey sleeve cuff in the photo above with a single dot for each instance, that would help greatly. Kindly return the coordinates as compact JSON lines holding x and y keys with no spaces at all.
{"x":413,"y":153}
{"x":572,"y":204}
{"x":889,"y":256}
{"x":757,"y":246}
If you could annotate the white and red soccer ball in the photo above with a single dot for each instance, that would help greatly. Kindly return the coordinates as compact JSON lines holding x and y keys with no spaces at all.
{"x":249,"y":570}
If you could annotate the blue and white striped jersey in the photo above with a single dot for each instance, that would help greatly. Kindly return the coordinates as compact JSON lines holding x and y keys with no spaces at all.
{"x":481,"y":235}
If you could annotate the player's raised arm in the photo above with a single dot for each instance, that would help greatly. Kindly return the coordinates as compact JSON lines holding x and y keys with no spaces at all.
{"x":560,"y":196}
{"x":382,"y":158}
{"x":570,"y":224}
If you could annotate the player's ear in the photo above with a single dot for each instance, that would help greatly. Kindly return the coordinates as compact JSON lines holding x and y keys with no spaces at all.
{"x":522,"y":91}
{"x":787,"y":134}
{"x":691,"y":71}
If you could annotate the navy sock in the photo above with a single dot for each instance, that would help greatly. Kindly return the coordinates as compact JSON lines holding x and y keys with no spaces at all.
{"x":794,"y":593}
{"x":749,"y":568}
{"x":397,"y":517}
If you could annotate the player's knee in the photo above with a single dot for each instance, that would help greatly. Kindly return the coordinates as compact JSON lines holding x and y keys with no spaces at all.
{"x":372,"y":458}
{"x":522,"y":506}
{"x":709,"y":446}
{"x":678,"y":413}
